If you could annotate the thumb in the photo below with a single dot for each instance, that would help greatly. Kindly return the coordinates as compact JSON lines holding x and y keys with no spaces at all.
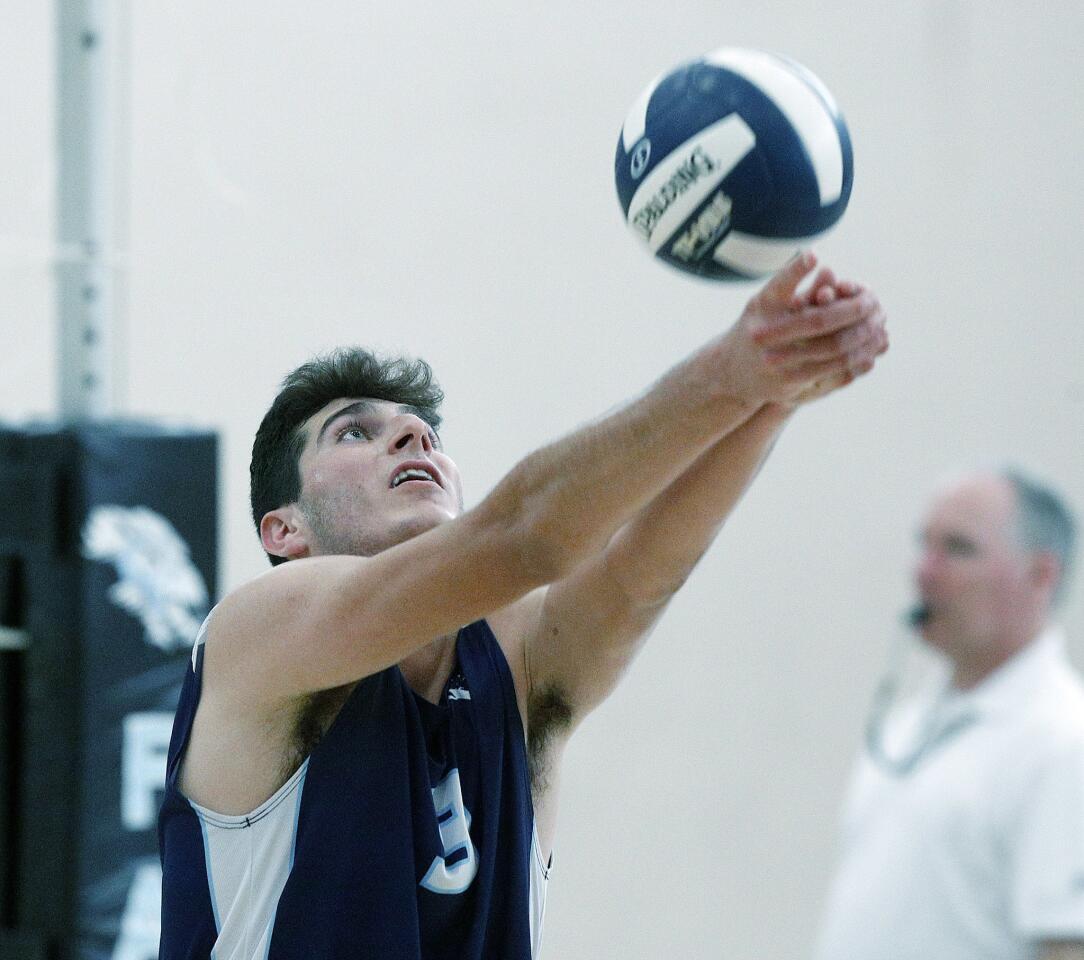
{"x":781,"y":287}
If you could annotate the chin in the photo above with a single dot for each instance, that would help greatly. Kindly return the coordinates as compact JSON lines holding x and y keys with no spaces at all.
{"x":367,"y":540}
{"x":934,"y":640}
{"x":950,"y":642}
{"x":417,"y":524}
{"x":935,"y":633}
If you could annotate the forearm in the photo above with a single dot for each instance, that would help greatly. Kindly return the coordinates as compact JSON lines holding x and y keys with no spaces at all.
{"x":652,"y":556}
{"x":570,"y":497}
{"x":567,"y":500}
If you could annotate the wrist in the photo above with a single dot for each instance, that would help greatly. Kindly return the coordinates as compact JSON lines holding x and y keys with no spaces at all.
{"x":779,"y":410}
{"x":728,"y":381}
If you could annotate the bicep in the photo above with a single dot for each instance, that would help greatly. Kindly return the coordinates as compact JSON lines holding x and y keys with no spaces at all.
{"x":588,"y":632}
{"x":322,"y":622}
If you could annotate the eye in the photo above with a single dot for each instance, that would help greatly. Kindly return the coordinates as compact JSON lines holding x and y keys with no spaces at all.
{"x":960,"y":547}
{"x":352,"y":430}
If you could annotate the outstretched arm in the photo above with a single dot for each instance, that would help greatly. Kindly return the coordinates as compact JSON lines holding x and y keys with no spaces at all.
{"x":321,"y":622}
{"x":586,"y":629}
{"x":582,"y":632}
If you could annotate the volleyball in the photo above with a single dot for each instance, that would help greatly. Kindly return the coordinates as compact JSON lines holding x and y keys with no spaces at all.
{"x":728,"y":165}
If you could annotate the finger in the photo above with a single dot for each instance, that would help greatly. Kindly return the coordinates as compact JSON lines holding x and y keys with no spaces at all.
{"x":825,"y":276}
{"x":814,"y":320}
{"x":811,"y":373}
{"x":858,"y":364}
{"x":846,"y":368}
{"x":819,"y":296}
{"x":851,"y":341}
{"x":781,"y":288}
{"x":863,"y":359}
{"x":871,"y":343}
{"x":879,"y":346}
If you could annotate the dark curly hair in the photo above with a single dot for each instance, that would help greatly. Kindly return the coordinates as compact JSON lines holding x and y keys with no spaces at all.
{"x":275,"y":478}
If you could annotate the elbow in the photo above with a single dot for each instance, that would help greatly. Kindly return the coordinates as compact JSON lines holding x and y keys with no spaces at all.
{"x":643,"y":573}
{"x":643,"y":588}
{"x":545,"y":555}
{"x":541,"y":550}
{"x":539,"y":545}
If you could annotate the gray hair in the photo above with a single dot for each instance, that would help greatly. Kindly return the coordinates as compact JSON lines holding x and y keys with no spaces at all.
{"x":1044,"y":522}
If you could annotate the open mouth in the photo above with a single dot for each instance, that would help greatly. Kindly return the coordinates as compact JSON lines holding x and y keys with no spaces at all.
{"x":413,"y":475}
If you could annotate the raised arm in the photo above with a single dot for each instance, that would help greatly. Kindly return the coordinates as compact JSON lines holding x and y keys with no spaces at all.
{"x":321,"y":622}
{"x":588,"y":627}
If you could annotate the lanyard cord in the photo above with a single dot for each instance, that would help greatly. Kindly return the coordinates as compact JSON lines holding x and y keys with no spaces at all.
{"x":932,"y":732}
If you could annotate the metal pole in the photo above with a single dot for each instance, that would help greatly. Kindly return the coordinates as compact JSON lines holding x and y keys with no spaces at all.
{"x":86,"y":151}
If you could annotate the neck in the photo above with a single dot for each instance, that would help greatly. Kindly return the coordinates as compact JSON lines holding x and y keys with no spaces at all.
{"x":970,"y":671}
{"x":970,"y":674}
{"x":427,"y":669}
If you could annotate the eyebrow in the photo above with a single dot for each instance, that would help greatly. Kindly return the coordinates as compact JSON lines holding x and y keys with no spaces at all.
{"x":358,"y":406}
{"x":363,"y":407}
{"x":951,"y":538}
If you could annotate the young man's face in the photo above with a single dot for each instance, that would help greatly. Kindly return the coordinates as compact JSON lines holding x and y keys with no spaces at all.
{"x":373,"y":475}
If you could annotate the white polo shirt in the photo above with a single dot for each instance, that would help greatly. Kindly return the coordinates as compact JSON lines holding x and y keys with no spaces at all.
{"x":978,"y":852}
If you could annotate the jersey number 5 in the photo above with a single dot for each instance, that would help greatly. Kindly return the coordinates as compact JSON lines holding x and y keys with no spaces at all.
{"x":454,"y":821}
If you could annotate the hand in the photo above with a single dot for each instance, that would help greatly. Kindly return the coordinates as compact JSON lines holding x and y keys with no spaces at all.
{"x":790,"y":347}
{"x":824,"y":290}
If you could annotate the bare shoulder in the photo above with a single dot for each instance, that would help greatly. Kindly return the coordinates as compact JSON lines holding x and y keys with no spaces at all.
{"x":250,"y":618}
{"x":241,"y":748}
{"x":302,"y":627}
{"x":320,"y":622}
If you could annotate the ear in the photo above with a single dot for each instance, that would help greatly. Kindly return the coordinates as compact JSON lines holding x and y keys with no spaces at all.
{"x":1045,"y":570}
{"x":284,"y":533}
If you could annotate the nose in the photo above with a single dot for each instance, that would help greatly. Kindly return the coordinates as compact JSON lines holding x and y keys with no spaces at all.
{"x":411,"y":432}
{"x":927,"y":570}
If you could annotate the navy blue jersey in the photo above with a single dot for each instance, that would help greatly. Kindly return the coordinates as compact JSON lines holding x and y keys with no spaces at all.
{"x":407,"y":833}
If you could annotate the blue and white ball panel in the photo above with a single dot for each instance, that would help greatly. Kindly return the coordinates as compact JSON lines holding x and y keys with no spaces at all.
{"x":751,"y":256}
{"x":804,"y":101}
{"x":728,"y":165}
{"x":682,"y":181}
{"x":636,"y":122}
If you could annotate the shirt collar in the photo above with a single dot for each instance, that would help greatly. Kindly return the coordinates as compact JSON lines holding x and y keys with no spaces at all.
{"x":1018,"y":678}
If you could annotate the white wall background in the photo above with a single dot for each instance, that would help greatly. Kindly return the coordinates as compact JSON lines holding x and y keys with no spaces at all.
{"x":438,"y":179}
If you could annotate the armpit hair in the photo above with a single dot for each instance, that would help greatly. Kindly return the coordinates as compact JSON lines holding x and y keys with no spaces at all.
{"x":549,"y":713}
{"x":314,"y":716}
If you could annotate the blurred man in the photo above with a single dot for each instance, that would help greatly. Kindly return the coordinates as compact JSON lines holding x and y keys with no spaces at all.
{"x":366,"y":756}
{"x":964,"y":828}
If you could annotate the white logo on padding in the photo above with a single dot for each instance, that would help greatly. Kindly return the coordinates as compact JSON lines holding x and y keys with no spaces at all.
{"x":156,"y":579}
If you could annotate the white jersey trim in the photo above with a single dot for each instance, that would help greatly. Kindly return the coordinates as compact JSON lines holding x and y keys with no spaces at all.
{"x":248,"y":861}
{"x":540,"y":874}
